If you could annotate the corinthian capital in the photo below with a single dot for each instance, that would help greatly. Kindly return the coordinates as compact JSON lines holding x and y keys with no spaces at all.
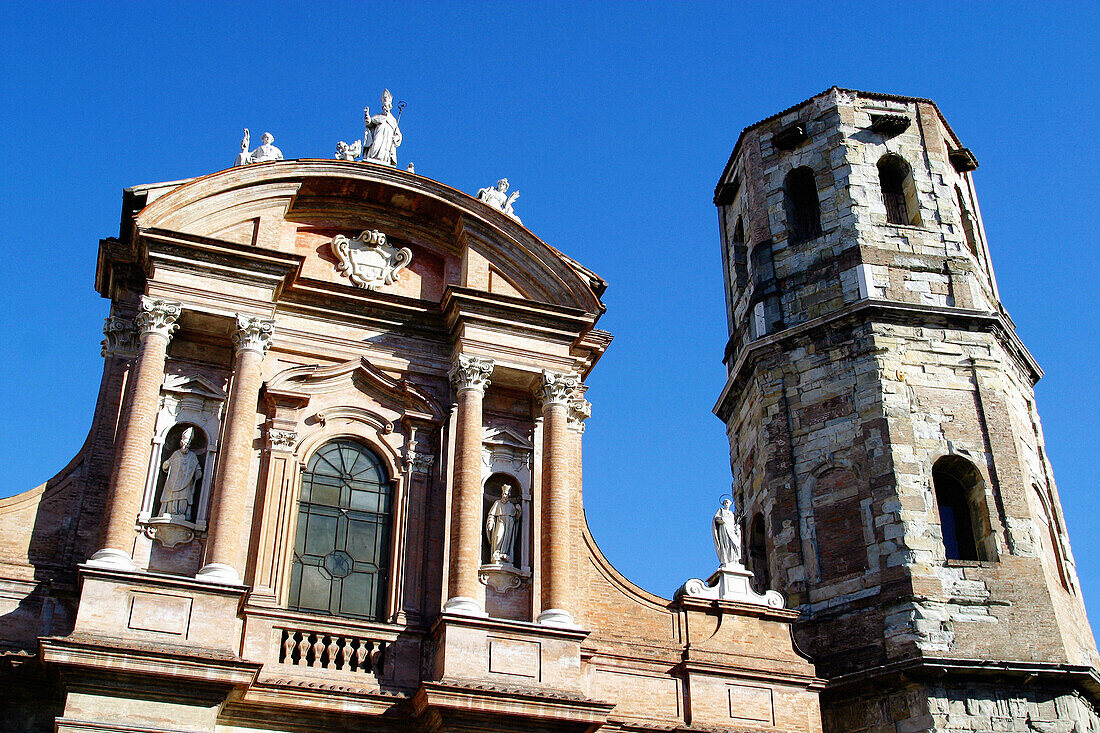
{"x":580,"y":410}
{"x":470,"y":372}
{"x":557,"y":388}
{"x":253,"y":334}
{"x":121,"y":338}
{"x":157,"y":316}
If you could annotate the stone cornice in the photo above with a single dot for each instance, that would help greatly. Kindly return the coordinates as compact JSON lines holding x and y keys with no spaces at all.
{"x":880,"y":311}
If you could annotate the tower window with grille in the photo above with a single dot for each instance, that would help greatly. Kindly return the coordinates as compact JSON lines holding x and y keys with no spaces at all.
{"x":802,"y":205}
{"x":342,"y":547}
{"x":758,"y":555}
{"x":740,"y":255}
{"x":967,"y":222}
{"x":898,"y":192}
{"x":956,"y":489}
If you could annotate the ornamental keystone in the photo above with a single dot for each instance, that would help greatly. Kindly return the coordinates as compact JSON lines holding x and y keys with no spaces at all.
{"x":253,"y":334}
{"x":471,"y":372}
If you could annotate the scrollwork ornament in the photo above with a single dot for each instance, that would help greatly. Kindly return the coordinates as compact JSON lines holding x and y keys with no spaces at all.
{"x":253,"y":334}
{"x":471,"y":372}
{"x":157,"y":316}
{"x":121,"y":339}
{"x":557,"y":388}
{"x":418,"y":462}
{"x":369,"y":260}
{"x":282,"y":441}
{"x":580,"y":410}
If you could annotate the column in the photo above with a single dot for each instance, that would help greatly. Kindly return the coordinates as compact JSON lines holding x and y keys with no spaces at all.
{"x":155,"y":323}
{"x":470,"y":377}
{"x":229,"y":522}
{"x":580,"y":410}
{"x":555,"y":395}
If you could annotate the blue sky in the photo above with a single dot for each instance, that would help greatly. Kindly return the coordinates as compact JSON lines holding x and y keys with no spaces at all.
{"x":614,"y":121}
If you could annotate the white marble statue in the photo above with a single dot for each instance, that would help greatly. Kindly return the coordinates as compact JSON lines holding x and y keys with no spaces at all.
{"x":500,"y":526}
{"x":344,"y":151}
{"x":732,"y":581}
{"x":727,"y":535}
{"x":498,"y":197}
{"x":267,"y":150}
{"x":383,"y":135}
{"x":183,"y":471}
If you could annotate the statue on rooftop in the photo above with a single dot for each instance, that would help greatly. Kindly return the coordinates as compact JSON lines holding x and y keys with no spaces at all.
{"x":344,"y":151}
{"x":727,"y":535}
{"x":267,"y":150}
{"x":383,"y":136}
{"x":498,"y":198}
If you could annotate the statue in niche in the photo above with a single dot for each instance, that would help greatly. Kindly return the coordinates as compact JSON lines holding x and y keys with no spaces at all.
{"x":267,"y":150}
{"x":383,"y":136}
{"x":498,"y":198}
{"x":344,"y":151}
{"x":183,"y":471}
{"x":727,"y":535}
{"x":500,"y":526}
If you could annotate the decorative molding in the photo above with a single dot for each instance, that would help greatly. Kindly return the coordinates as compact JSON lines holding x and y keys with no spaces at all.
{"x":416,"y":460}
{"x":281,"y":441}
{"x":471,"y":372}
{"x":253,"y":334}
{"x":157,"y":316}
{"x":502,"y":577}
{"x":169,"y":531}
{"x":580,"y":410}
{"x":403,"y":395}
{"x":557,"y":388}
{"x":356,"y":414}
{"x":369,"y":260}
{"x":730,"y":583}
{"x":121,"y":338}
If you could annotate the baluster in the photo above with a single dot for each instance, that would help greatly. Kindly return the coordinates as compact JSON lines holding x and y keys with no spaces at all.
{"x":331,"y":662}
{"x":345,"y":654}
{"x":288,"y":647}
{"x":361,"y":652}
{"x":303,"y":649}
{"x":376,"y":658}
{"x":318,"y":649}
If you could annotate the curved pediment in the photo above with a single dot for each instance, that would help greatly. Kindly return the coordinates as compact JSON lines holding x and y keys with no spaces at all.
{"x":402,"y":395}
{"x":300,"y":207}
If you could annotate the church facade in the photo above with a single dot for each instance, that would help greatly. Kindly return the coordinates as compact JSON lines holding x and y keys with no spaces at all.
{"x":333,"y":478}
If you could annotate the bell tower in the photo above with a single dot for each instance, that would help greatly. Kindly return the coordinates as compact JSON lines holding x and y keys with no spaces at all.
{"x":884,"y":439}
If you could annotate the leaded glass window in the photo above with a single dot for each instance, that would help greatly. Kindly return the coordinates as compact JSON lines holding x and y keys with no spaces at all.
{"x":341,"y":551}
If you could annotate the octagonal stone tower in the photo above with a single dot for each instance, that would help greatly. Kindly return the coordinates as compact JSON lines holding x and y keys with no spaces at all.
{"x":884,"y":438}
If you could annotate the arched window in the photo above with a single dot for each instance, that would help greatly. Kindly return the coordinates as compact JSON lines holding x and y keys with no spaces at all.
{"x":342,"y":548}
{"x":898,"y":192}
{"x":758,"y":555}
{"x":740,"y":255}
{"x":967,"y":222}
{"x":957,"y":484}
{"x":802,"y":205}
